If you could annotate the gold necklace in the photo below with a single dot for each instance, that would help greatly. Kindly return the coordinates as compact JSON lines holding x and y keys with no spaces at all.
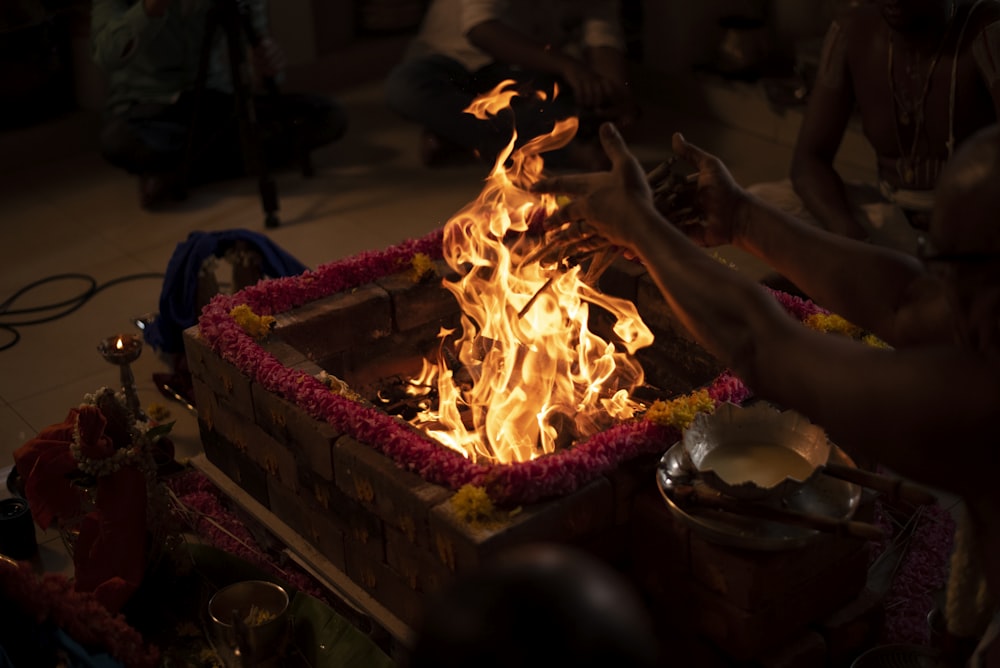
{"x":906,"y":164}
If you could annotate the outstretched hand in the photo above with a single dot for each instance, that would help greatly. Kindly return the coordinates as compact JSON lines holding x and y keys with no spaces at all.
{"x":610,"y":201}
{"x":719,"y":197}
{"x":605,"y":200}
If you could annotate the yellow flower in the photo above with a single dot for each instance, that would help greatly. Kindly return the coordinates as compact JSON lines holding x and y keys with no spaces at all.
{"x":257,"y":326}
{"x":718,"y":258}
{"x":157,"y":412}
{"x":473,"y":504}
{"x":422,"y":267}
{"x":874,"y":341}
{"x":680,"y":412}
{"x":832,"y":323}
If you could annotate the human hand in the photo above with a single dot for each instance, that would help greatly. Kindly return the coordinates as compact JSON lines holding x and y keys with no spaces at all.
{"x":590,"y":90}
{"x":606,"y":201}
{"x":267,"y":58}
{"x":719,"y":197}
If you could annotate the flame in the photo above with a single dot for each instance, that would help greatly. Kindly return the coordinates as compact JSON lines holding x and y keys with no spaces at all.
{"x":119,"y":344}
{"x":533,"y":375}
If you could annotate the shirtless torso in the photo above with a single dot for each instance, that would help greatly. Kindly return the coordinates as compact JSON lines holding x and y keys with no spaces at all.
{"x":919,"y":92}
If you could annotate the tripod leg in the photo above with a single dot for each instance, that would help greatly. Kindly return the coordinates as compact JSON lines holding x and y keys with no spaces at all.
{"x":250,"y":137}
{"x":211,"y":25}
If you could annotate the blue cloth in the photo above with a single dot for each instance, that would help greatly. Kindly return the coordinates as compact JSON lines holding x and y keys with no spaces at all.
{"x":179,"y":297}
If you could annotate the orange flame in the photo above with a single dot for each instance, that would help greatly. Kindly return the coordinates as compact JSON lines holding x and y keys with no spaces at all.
{"x":534,"y":373}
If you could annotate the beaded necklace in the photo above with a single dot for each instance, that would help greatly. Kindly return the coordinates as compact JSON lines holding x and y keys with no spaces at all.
{"x":906,"y":164}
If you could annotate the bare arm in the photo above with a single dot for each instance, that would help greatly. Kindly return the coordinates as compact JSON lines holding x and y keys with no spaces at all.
{"x":827,"y":114}
{"x":508,"y":45}
{"x":884,"y":402}
{"x":886,"y":292}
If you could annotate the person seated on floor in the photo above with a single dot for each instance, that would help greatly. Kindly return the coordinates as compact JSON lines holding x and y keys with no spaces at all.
{"x":573,"y":51}
{"x":151,"y":51}
{"x":541,"y":604}
{"x":939,"y":386}
{"x":923,"y":75}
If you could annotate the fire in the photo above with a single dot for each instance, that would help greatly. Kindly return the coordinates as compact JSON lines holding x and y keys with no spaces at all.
{"x":526,"y":374}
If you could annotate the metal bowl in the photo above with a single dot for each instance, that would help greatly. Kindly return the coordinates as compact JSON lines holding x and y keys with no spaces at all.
{"x":755,"y":452}
{"x":250,"y":621}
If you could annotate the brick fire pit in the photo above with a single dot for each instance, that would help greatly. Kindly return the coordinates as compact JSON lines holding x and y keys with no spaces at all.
{"x":390,"y":526}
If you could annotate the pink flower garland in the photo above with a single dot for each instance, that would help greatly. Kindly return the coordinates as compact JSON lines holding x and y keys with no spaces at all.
{"x":922,"y":571}
{"x":552,"y":475}
{"x":214,"y":523}
{"x":52,"y":596}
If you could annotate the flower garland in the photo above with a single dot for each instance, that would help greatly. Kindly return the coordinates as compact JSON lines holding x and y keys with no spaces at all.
{"x":513,"y":484}
{"x":201,"y":504}
{"x":926,"y":538}
{"x":52,"y":597}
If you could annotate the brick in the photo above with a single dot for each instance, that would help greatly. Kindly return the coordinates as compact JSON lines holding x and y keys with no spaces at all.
{"x":385,"y":585}
{"x":218,"y":450}
{"x":252,"y":478}
{"x":338,"y":322}
{"x":462,"y":546}
{"x":419,"y":304}
{"x":288,"y":506}
{"x":205,"y":401}
{"x":659,"y":543}
{"x":230,"y":386}
{"x":284,"y":352}
{"x":301,"y":434}
{"x":747,"y":635}
{"x":276,"y":460}
{"x":400,"y":498}
{"x":752,"y":579}
{"x":627,"y":480}
{"x":326,"y":535}
{"x":417,"y":566}
{"x":398,"y":355}
{"x":197,"y":352}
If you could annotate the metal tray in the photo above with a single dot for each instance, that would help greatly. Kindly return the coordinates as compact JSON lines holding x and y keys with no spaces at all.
{"x":822,"y":494}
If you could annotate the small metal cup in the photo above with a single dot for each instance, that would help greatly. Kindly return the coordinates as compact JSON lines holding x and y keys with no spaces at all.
{"x":239,"y":641}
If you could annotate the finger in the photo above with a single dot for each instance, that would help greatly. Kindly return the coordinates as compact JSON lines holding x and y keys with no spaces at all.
{"x":614,"y":145}
{"x":575,"y":184}
{"x":688,"y":151}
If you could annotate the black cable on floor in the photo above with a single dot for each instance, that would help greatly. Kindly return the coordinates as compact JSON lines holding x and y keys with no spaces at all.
{"x":62,"y":308}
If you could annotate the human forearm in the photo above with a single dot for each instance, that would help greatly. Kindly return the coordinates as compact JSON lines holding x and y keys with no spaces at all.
{"x":511,"y":46}
{"x":822,"y":191}
{"x":722,"y":309}
{"x":867,"y":284}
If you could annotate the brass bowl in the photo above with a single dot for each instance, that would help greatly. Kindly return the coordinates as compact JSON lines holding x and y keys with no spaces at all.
{"x":755,"y":452}
{"x":250,"y":621}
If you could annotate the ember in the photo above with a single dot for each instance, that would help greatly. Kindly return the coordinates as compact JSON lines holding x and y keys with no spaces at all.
{"x":526,"y":374}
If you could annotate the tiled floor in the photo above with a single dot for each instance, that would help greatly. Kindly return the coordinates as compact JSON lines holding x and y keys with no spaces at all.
{"x":79,"y":216}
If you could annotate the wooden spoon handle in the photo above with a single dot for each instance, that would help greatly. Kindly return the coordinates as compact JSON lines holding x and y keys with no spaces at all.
{"x":894,"y":488}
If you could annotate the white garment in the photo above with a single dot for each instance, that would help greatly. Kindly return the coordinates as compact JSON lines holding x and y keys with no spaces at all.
{"x":560,"y":24}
